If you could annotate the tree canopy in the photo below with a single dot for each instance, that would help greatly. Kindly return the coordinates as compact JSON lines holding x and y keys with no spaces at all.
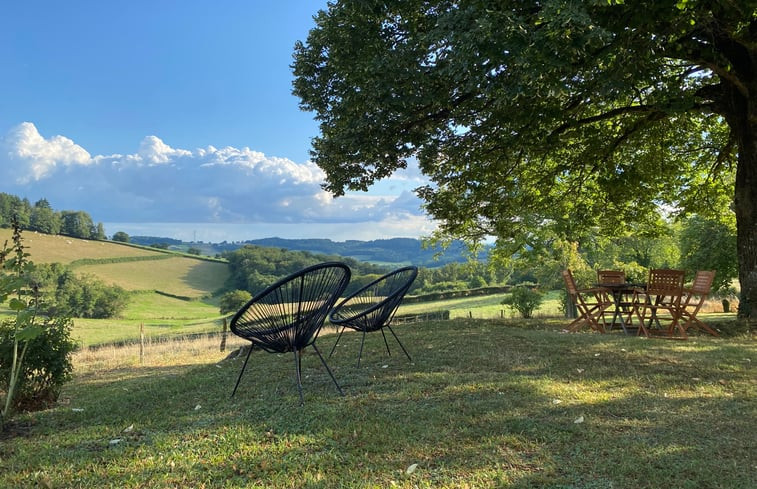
{"x":573,"y":118}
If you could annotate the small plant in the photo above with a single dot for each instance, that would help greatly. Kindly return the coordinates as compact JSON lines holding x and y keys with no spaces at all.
{"x":34,"y":349}
{"x":524,"y":299}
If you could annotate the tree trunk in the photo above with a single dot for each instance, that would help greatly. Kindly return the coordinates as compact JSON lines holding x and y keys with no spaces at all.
{"x":745,"y":203}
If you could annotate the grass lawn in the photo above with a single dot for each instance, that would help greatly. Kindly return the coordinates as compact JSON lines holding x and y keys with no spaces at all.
{"x":483,"y":404}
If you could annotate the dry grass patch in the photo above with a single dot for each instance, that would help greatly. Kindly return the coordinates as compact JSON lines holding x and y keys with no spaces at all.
{"x":47,"y":248}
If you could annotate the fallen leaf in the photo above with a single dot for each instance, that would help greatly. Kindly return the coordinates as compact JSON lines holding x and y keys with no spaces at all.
{"x":411,"y":469}
{"x":579,"y":420}
{"x":722,"y":382}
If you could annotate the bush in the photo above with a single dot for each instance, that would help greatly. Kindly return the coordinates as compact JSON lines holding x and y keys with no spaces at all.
{"x":234,"y":300}
{"x":78,"y":295}
{"x":34,"y":348}
{"x":524,"y":299}
{"x":46,"y":367}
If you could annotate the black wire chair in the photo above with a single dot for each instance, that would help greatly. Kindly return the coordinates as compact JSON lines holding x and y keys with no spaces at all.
{"x":288,"y":315}
{"x":372,"y":307}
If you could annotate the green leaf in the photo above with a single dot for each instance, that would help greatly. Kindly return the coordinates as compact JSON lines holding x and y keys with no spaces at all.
{"x":17,"y":305}
{"x":29,"y":332}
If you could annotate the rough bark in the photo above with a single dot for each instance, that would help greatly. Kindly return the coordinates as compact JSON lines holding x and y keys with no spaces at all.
{"x":745,"y":200}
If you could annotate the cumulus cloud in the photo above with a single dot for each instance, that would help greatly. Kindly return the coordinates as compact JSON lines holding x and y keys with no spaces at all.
{"x":160,"y":183}
{"x":37,"y":157}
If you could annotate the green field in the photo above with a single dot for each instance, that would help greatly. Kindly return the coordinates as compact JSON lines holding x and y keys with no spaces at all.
{"x":156,"y":315}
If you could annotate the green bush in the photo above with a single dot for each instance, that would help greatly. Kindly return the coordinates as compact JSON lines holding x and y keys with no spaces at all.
{"x":47,"y":364}
{"x":234,"y":300}
{"x":524,"y":299}
{"x":78,"y":295}
{"x":34,"y":348}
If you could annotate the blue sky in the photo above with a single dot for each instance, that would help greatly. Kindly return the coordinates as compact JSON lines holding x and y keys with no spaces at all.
{"x":176,"y":118}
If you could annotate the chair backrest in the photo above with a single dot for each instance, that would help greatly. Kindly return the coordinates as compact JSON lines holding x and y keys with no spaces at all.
{"x":374,"y":305}
{"x":289,"y":314}
{"x":570,"y":282}
{"x":665,"y":282}
{"x":702,"y":282}
{"x":611,"y":277}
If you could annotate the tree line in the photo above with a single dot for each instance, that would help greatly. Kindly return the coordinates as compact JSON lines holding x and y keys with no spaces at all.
{"x":678,"y":244}
{"x":41,"y":217}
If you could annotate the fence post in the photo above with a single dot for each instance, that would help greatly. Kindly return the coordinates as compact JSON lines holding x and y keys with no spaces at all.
{"x":141,"y":343}
{"x":223,"y":336}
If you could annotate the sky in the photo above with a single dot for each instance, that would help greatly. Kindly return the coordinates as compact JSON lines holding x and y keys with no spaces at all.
{"x":175,"y":118}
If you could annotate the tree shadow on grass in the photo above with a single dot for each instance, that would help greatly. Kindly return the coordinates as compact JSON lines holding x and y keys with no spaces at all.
{"x":476,"y":407}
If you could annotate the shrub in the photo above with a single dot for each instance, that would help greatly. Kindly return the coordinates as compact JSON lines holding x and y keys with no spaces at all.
{"x":524,"y":299}
{"x":234,"y":300}
{"x":47,"y":364}
{"x":34,"y":349}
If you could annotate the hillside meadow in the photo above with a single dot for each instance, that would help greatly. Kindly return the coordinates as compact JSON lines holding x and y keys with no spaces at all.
{"x":170,"y":293}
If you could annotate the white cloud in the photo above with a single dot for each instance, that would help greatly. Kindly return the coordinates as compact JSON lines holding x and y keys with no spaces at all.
{"x":160,"y":183}
{"x":37,"y":157}
{"x":156,"y":152}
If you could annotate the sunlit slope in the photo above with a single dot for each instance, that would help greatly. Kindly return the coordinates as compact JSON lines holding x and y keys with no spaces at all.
{"x":46,"y":248}
{"x":177,"y":275}
{"x":129,"y":267}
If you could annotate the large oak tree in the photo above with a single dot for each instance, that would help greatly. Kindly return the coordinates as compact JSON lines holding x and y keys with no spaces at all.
{"x":574,"y":116}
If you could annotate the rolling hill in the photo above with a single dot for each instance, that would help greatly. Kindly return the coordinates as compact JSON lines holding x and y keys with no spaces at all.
{"x":130,"y":267}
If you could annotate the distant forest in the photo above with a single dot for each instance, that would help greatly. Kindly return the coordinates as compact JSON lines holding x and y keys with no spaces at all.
{"x":393,"y":251}
{"x":255,"y":267}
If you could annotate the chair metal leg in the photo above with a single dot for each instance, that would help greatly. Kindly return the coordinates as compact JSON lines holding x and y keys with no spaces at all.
{"x":297,"y":369}
{"x":386,"y":343}
{"x":337,"y":341}
{"x":399,"y":342}
{"x":360,"y":353}
{"x":323,"y":361}
{"x":240,"y":373}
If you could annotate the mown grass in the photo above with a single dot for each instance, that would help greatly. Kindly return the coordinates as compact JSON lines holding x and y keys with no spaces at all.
{"x":180,"y":276}
{"x":482,"y":404}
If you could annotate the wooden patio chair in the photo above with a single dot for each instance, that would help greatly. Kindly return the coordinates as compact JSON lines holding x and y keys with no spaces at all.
{"x":694,"y":297}
{"x":611,"y":277}
{"x":623,"y":298}
{"x":590,"y":304}
{"x":660,"y":303}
